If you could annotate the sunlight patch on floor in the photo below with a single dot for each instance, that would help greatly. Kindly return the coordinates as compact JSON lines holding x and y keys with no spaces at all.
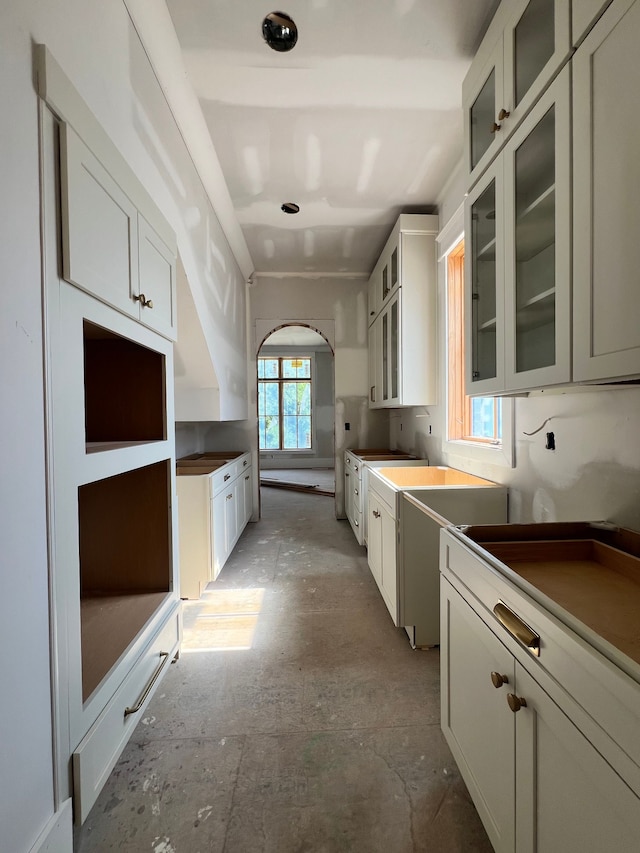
{"x":221,"y":620}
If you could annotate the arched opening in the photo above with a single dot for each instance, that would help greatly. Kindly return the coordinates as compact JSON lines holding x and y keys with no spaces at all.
{"x":296,"y":410}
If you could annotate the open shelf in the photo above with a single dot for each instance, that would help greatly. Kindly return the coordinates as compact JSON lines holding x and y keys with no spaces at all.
{"x":125,"y":563}
{"x":124,"y":392}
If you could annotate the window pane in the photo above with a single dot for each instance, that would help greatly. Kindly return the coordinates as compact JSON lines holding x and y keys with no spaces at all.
{"x":296,"y":368}
{"x":304,"y":398}
{"x":268,"y":368}
{"x":272,"y":433}
{"x":304,"y":432}
{"x":289,"y":398}
{"x":290,"y":441}
{"x":482,"y":417}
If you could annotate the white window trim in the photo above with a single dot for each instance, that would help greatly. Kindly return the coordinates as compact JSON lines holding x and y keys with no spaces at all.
{"x":502,"y":455}
{"x":297,"y":451}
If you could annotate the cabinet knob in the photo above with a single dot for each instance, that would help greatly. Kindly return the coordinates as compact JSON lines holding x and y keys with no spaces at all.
{"x":229,"y":497}
{"x":139,"y":297}
{"x":226,"y":477}
{"x":148,"y":303}
{"x":503,"y":114}
{"x":347,"y":474}
{"x":494,"y":127}
{"x":376,"y":514}
{"x":356,"y":492}
{"x":516,"y":702}
{"x":498,"y":680}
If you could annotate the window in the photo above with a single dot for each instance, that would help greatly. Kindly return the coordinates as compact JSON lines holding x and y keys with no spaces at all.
{"x":474,"y":419}
{"x":284,"y":403}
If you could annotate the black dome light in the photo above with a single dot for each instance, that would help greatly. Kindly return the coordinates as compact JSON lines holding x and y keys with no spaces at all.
{"x":279,"y":31}
{"x":290,"y":207}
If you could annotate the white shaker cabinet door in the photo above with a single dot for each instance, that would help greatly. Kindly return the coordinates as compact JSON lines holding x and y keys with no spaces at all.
{"x":99,"y":228}
{"x":606,"y":214}
{"x":476,"y":719}
{"x":157,"y":281}
{"x":568,"y":797}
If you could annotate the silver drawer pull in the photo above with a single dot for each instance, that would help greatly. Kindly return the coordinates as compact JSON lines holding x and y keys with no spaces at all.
{"x":229,"y":497}
{"x":244,"y":463}
{"x":247,"y":477}
{"x":164,"y":657}
{"x":517,"y":628}
{"x":227,"y":477}
{"x":356,"y":492}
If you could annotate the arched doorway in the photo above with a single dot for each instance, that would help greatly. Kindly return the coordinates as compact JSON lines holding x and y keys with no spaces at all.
{"x":296,"y":410}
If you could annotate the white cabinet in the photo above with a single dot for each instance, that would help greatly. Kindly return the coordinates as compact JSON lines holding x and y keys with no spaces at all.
{"x":606,"y":216}
{"x":402,"y":316}
{"x":113,"y":562}
{"x":382,"y":552}
{"x":526,"y":43}
{"x":543,"y":734}
{"x":407,"y":506}
{"x":109,"y":248}
{"x":518,"y":274}
{"x":215,"y":502}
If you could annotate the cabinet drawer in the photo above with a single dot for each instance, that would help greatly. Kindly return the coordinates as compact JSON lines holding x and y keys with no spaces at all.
{"x":355,"y":520}
{"x":99,"y":750}
{"x":597,"y":695}
{"x":224,"y":477}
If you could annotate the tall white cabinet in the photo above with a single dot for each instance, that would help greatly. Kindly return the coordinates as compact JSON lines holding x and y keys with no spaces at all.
{"x":114,"y":568}
{"x":402,"y":316}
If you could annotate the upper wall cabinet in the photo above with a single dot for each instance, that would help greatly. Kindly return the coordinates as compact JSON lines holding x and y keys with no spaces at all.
{"x":402,"y":321}
{"x":518,"y":272}
{"x":103,"y":230}
{"x":526,"y":44}
{"x":606,"y":216}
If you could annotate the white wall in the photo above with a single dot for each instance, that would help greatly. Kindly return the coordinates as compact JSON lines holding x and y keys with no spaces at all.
{"x":594,"y":473}
{"x":338,"y":308}
{"x":97,"y":47}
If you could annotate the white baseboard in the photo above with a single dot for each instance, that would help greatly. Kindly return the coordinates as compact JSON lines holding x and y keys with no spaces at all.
{"x":57,"y":836}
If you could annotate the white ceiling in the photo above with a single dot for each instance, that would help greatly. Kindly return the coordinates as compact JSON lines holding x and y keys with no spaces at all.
{"x":360,"y":121}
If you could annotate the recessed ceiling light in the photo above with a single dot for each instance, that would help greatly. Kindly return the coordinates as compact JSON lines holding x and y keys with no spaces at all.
{"x":279,"y":31}
{"x":290,"y":207}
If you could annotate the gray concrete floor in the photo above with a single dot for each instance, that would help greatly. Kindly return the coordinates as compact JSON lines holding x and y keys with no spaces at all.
{"x":297,"y":720}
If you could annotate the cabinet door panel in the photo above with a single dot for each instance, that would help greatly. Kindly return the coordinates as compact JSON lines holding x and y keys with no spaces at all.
{"x":482,"y":96}
{"x":389,"y":586}
{"x":537,"y":243}
{"x":157,"y":281}
{"x":568,"y":797}
{"x":606,"y":212}
{"x":99,"y":228}
{"x":476,"y":720}
{"x":536,"y":43}
{"x":484,"y":285}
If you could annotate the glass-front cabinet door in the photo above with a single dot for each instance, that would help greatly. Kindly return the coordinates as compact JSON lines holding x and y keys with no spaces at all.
{"x":481,"y":99}
{"x":484,"y":285}
{"x":537,"y":268}
{"x":506,"y":78}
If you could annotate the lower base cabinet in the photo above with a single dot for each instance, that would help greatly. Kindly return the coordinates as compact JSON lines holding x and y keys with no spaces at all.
{"x":538,"y":782}
{"x":213,"y":510}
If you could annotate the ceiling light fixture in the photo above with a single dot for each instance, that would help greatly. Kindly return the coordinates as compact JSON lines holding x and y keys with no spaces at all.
{"x":279,"y":31}
{"x":290,"y":207}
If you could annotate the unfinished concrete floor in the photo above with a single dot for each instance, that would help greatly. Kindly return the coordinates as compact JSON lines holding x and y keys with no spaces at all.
{"x":298,"y":719}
